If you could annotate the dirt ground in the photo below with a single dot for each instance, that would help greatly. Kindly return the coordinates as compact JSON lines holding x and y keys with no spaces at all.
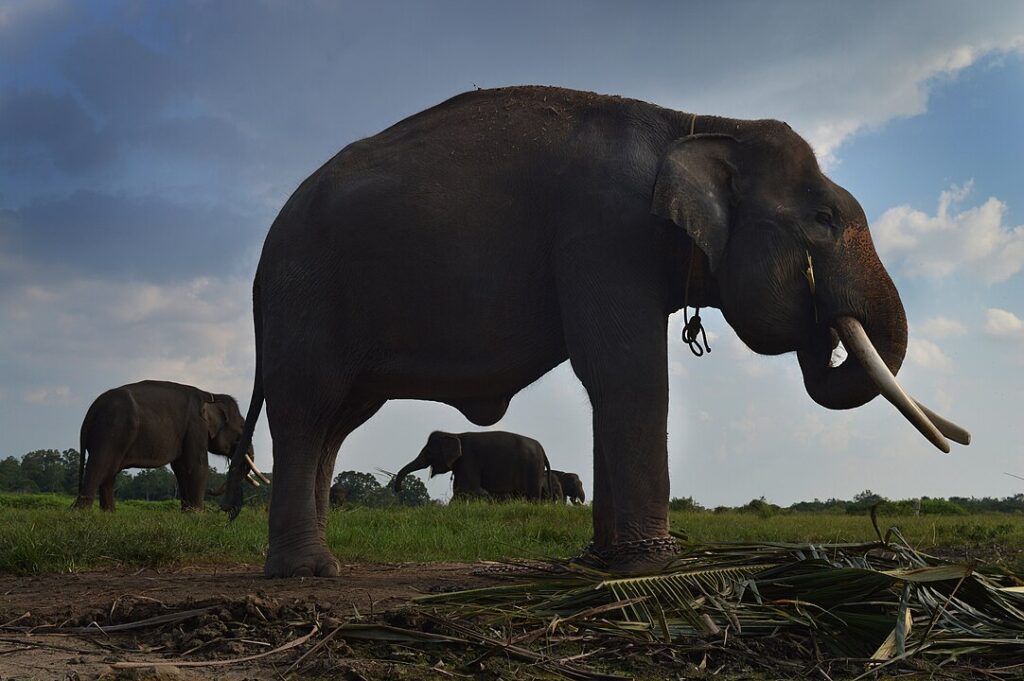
{"x":247,"y":615}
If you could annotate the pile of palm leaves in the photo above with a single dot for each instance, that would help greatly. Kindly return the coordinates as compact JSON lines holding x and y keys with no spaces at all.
{"x":868,"y":605}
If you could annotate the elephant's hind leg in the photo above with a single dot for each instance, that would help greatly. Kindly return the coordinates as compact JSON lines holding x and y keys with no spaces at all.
{"x":97,"y":472}
{"x":308,"y":427}
{"x":351,"y":418}
{"x":107,"y":495}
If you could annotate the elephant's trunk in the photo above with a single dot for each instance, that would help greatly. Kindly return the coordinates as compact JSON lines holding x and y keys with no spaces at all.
{"x":877,"y":348}
{"x":848,"y":386}
{"x":414,"y":465}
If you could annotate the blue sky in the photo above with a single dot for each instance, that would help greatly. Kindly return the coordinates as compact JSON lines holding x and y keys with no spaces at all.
{"x":145,"y":149}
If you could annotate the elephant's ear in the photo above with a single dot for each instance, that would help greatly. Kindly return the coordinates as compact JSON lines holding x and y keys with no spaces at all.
{"x":214,"y":418}
{"x":451,"y":450}
{"x":694,"y":189}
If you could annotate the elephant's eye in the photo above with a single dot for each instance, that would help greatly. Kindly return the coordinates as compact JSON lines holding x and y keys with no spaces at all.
{"x":824,"y":217}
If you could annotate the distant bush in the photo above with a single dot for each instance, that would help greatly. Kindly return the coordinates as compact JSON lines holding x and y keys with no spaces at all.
{"x":941,"y":507}
{"x":685,"y":504}
{"x":34,"y":501}
{"x":760,"y":507}
{"x":352,"y":488}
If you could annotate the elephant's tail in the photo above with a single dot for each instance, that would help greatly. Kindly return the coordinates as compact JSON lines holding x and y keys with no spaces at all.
{"x":547,"y":471}
{"x":233,"y":484}
{"x":83,"y":437}
{"x":81,"y":452}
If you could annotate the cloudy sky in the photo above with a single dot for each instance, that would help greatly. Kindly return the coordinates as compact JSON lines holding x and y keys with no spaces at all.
{"x":145,"y":149}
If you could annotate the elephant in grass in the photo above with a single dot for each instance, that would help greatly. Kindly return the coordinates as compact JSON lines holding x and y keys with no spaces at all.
{"x":492,"y":464}
{"x":567,"y":487}
{"x":150,"y":424}
{"x":465,"y":251}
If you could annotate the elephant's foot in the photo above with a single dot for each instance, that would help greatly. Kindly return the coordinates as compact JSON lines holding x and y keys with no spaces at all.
{"x":591,"y":557}
{"x":82,"y":502}
{"x":310,"y":562}
{"x":641,"y":556}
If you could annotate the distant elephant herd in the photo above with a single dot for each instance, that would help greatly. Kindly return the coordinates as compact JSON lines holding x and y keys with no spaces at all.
{"x":462,"y":253}
{"x":155,"y":423}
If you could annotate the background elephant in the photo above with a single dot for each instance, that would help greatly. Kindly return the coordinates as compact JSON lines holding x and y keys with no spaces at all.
{"x":150,"y":424}
{"x":492,"y":464}
{"x":465,"y":251}
{"x":570,"y":486}
{"x":551,"y":488}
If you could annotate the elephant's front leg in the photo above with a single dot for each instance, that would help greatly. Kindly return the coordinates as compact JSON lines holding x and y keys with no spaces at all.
{"x":630,"y":423}
{"x":602,"y":508}
{"x":616,"y":337}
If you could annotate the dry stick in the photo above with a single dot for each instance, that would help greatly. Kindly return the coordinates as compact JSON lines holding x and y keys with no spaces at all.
{"x":127,"y":626}
{"x":218,"y":663}
{"x":19,"y":617}
{"x":34,"y":644}
{"x":319,"y":644}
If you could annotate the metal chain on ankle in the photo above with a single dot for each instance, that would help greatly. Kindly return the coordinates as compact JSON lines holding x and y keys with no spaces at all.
{"x":641,"y":547}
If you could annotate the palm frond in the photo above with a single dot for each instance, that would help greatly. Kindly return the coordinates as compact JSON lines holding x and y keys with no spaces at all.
{"x":882,"y":601}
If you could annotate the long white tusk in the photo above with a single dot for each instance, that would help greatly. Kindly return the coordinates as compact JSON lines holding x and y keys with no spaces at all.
{"x":856,"y":341}
{"x":251,"y":479}
{"x":252,"y":465}
{"x":946,"y":427}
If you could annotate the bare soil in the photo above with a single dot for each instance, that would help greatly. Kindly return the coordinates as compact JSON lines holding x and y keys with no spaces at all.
{"x":246,"y":615}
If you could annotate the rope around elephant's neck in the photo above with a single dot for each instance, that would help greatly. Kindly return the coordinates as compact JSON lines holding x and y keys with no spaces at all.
{"x":693,"y":325}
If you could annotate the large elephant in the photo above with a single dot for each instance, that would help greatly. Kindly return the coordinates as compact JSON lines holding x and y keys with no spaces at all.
{"x":150,"y":424}
{"x":465,"y":251}
{"x":570,"y":486}
{"x":491,"y":464}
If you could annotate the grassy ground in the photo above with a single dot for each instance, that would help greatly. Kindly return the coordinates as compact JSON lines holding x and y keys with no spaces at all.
{"x":39,"y":534}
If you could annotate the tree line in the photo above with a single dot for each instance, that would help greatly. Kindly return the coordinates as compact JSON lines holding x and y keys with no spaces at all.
{"x":51,"y":470}
{"x":863,"y":502}
{"x":54,"y":471}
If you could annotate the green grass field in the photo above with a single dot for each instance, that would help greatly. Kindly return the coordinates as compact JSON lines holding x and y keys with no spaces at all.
{"x":39,"y":534}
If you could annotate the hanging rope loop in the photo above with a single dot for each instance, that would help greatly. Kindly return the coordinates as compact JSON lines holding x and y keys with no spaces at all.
{"x":693,"y":327}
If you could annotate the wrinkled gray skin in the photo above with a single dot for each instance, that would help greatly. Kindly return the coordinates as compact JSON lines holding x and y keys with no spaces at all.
{"x":151,"y":424}
{"x":464,"y":252}
{"x":571,"y":487}
{"x":492,"y":464}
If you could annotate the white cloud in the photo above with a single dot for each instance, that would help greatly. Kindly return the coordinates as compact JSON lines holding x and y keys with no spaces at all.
{"x":974,"y":239}
{"x":1004,"y":325}
{"x":56,"y":394}
{"x":834,"y":435}
{"x":941,"y":327}
{"x":198,"y":332}
{"x":926,"y":354}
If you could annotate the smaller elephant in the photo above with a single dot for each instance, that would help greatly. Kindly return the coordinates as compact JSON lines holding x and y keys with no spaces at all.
{"x":493,"y":464}
{"x":339,"y":494}
{"x":571,"y":487}
{"x":551,"y":488}
{"x":150,"y":424}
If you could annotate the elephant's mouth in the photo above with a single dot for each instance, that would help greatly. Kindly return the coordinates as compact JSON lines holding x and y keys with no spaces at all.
{"x":825,"y":367}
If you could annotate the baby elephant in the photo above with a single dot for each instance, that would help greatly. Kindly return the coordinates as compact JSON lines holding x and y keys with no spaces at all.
{"x":561,"y":487}
{"x":493,"y":464}
{"x":150,"y":424}
{"x":571,"y":487}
